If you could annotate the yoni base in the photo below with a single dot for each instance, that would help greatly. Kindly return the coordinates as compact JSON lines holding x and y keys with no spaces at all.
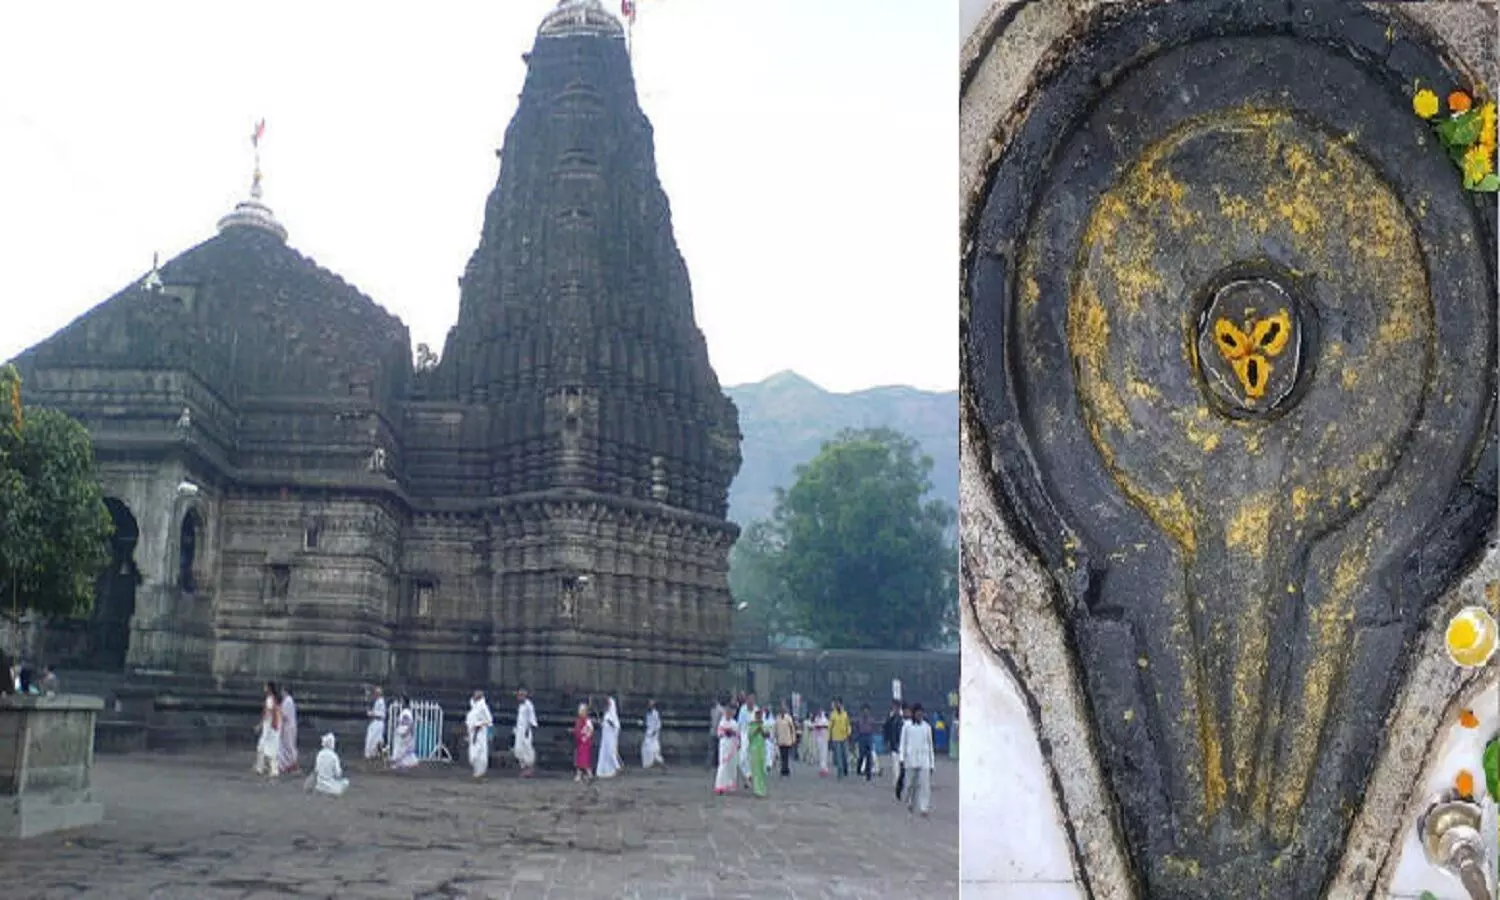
{"x":46,"y":764}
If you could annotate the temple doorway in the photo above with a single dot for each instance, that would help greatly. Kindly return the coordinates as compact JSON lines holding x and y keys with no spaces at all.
{"x":114,"y":601}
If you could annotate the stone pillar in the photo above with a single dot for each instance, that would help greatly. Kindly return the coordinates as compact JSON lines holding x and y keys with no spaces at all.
{"x":47,"y":764}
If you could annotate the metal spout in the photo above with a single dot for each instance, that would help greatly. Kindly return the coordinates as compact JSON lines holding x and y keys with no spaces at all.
{"x":1450,"y":840}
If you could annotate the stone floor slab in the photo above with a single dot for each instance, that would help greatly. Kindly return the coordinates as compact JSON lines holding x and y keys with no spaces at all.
{"x":205,"y":828}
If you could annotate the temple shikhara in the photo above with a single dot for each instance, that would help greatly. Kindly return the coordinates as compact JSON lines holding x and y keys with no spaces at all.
{"x":543,"y":504}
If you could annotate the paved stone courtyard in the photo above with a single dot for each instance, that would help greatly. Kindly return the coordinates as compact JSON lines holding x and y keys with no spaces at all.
{"x":206,"y":828}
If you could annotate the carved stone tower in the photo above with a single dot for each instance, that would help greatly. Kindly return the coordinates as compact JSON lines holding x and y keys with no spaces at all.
{"x":608,"y":445}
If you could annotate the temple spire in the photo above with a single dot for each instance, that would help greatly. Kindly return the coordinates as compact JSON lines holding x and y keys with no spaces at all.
{"x":252,"y":213}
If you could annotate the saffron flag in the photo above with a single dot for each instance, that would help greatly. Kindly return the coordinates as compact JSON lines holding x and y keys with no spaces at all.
{"x":627,"y":9}
{"x":260,"y":131}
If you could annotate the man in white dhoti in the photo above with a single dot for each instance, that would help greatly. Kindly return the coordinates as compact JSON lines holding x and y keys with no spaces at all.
{"x":729,"y":738}
{"x":651,"y":743}
{"x":919,"y":758}
{"x":287,"y":757}
{"x":404,"y":741}
{"x":328,"y":772}
{"x":525,"y":728}
{"x":478,"y":722}
{"x":609,"y":743}
{"x":375,"y":731}
{"x":268,"y":747}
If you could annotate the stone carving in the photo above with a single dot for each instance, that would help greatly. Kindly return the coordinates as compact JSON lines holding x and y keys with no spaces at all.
{"x":1235,"y":406}
{"x":185,"y":421}
{"x":572,"y":424}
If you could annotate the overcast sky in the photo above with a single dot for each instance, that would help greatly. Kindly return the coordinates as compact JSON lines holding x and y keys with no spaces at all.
{"x":809,"y":150}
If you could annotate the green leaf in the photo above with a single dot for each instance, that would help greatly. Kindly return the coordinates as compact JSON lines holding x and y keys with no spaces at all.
{"x":1461,"y":131}
{"x":1492,"y":767}
{"x":1489,"y":184}
{"x":1428,"y":895}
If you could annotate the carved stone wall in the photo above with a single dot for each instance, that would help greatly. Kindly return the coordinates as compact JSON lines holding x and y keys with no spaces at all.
{"x":546,"y":506}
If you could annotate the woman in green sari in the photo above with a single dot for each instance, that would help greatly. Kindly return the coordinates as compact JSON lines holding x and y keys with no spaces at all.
{"x":759,"y":734}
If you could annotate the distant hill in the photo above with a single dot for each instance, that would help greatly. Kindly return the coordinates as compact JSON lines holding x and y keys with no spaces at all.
{"x":786,"y":418}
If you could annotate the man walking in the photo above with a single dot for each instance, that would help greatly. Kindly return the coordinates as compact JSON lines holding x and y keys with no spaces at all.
{"x":892,"y":734}
{"x":838,"y":732}
{"x":864,"y":736}
{"x":786,"y":739}
{"x":920,"y":759}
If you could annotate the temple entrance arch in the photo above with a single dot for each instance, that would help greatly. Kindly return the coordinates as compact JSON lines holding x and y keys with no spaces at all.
{"x":114,"y":599}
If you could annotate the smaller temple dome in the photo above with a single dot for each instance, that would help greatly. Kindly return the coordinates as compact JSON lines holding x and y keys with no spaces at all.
{"x":252,"y":213}
{"x":574,"y":18}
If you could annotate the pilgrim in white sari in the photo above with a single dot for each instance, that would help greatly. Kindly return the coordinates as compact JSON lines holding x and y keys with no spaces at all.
{"x":525,"y":728}
{"x":478,"y":722}
{"x":268,"y":747}
{"x":820,"y":740}
{"x":651,"y":744}
{"x":729,"y":740}
{"x":609,"y":743}
{"x":375,"y":731}
{"x":742,"y":722}
{"x":328,"y":772}
{"x":287,"y":757}
{"x":404,"y":745}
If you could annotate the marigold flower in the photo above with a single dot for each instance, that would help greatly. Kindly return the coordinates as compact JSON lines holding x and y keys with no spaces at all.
{"x":1425,"y":103}
{"x":1459,"y":102}
{"x":1465,"y":784}
{"x":1487,"y":125}
{"x":1478,"y":162}
{"x":1467,"y":719}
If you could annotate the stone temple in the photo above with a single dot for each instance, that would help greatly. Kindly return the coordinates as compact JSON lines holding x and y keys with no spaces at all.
{"x":295,"y":499}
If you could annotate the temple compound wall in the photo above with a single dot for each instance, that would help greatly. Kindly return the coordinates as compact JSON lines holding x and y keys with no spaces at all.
{"x":296,"y":499}
{"x":857,"y":677}
{"x":1205,"y":583}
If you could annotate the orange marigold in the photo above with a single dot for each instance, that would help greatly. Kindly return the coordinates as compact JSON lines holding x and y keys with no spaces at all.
{"x":1465,"y":784}
{"x":1467,"y":719}
{"x":1459,"y":102}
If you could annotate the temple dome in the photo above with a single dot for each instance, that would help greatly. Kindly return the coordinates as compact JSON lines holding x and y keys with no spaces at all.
{"x":575,"y":18}
{"x":252,"y":213}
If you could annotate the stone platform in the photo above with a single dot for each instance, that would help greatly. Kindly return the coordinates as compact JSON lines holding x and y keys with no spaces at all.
{"x":46,"y":764}
{"x":204,"y":827}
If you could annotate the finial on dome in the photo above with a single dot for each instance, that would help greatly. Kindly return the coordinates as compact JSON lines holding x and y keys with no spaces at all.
{"x":153,"y":282}
{"x":573,"y":18}
{"x":252,"y":213}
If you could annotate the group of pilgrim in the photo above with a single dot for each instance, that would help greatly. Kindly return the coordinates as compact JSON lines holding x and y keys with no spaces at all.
{"x":276,"y":748}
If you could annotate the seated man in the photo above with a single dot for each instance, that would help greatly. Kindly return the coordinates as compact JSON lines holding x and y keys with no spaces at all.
{"x":328,"y":772}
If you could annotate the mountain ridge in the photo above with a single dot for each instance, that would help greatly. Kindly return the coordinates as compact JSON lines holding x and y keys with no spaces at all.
{"x":786,"y":418}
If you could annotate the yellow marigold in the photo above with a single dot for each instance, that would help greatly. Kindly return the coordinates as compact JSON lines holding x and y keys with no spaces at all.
{"x":1478,"y":162}
{"x":1425,"y":103}
{"x":1487,"y":125}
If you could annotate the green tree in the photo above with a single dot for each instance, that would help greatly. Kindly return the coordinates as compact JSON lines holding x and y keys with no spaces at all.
{"x":53,"y":522}
{"x":859,"y":558}
{"x":755,"y":583}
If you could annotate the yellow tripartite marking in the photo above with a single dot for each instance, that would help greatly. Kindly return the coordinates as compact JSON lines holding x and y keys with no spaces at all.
{"x":1249,"y":352}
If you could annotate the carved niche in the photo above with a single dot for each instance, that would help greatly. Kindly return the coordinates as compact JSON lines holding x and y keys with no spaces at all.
{"x":1230,"y":336}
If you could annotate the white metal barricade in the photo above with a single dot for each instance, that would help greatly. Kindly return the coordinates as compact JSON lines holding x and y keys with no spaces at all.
{"x":427,"y":727}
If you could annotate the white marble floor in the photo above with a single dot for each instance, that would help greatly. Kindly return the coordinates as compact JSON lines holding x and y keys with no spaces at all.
{"x":1012,"y":843}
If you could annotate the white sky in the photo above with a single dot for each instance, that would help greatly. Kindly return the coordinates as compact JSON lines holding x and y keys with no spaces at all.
{"x":809,"y":150}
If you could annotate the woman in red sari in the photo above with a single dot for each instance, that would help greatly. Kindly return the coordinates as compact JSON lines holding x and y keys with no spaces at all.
{"x":583,"y":745}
